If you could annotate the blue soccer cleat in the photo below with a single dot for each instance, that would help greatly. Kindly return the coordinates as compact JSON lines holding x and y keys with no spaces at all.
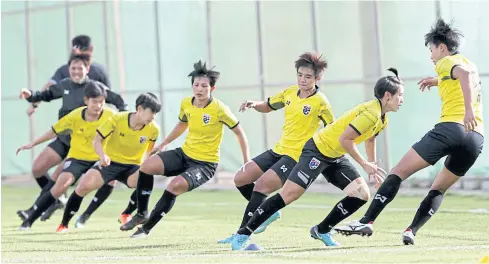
{"x":326,"y":238}
{"x":227,"y":240}
{"x":276,"y":216}
{"x":239,"y":242}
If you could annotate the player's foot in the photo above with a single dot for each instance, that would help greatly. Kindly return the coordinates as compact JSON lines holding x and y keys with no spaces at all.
{"x":356,"y":228}
{"x":276,"y":216}
{"x":124,"y":218}
{"x":80,"y":222}
{"x":51,"y":209}
{"x":62,"y":229}
{"x":408,"y":237}
{"x":326,"y":238}
{"x":138,"y":219}
{"x":239,"y":242}
{"x":24,"y":226}
{"x":141,"y":233}
{"x":227,"y":240}
{"x":24,"y":214}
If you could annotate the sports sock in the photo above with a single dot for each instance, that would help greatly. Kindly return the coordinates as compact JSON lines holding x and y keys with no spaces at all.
{"x":72,"y":206}
{"x":163,"y":206}
{"x":342,"y":210}
{"x":256,"y":200}
{"x":100,"y":196}
{"x":144,"y":189}
{"x":132,"y":203}
{"x":246,"y":190}
{"x":264,"y":211}
{"x":384,"y":196}
{"x":426,"y":210}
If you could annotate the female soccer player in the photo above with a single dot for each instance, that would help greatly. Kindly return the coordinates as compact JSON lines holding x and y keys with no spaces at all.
{"x":82,"y":124}
{"x":324,"y":154}
{"x":131,"y":135}
{"x":458,"y":135}
{"x":195,"y":162}
{"x":305,"y":108}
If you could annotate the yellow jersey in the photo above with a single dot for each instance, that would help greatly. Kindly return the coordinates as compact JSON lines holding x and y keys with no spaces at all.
{"x":366,"y":119}
{"x":125,"y":145}
{"x":82,"y":132}
{"x":205,"y":128}
{"x":450,"y":91}
{"x":303,"y":117}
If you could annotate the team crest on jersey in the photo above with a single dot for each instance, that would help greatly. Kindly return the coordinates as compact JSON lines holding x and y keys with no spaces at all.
{"x":314,"y":164}
{"x":206,"y":118}
{"x":142,"y":139}
{"x":67,"y":164}
{"x":288,"y":102}
{"x":306,"y":109}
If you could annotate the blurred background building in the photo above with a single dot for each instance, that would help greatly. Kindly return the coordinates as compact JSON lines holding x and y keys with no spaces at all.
{"x":151,"y":45}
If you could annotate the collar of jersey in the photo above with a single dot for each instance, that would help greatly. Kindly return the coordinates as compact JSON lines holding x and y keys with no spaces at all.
{"x":84,"y":112}
{"x":299,"y":91}
{"x":208,"y":103}
{"x":129,"y":122}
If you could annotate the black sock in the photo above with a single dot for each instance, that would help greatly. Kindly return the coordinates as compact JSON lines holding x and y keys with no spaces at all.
{"x":100,"y":196}
{"x":246,"y":190}
{"x":384,"y":196}
{"x":71,"y":208}
{"x":340,"y":211}
{"x":144,"y":189}
{"x":256,"y":200}
{"x":264,"y":211}
{"x":42,"y":203}
{"x":163,"y":206}
{"x":132,"y":203}
{"x":43,"y":180}
{"x":48,"y":186}
{"x":426,"y":210}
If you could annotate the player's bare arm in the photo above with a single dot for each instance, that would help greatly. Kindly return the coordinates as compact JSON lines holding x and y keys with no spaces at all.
{"x":243,"y":142}
{"x":260,"y":106}
{"x":47,"y":136}
{"x":99,"y":149}
{"x":463,"y":75}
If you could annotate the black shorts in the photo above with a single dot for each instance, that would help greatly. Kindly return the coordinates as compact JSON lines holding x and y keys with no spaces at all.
{"x":60,"y":147}
{"x":194,"y":171}
{"x":280,"y":164}
{"x":338,"y":171}
{"x":450,"y":139}
{"x":77,"y":167}
{"x":116,"y":171}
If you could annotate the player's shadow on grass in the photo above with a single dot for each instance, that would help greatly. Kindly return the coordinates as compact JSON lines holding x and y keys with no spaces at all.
{"x":17,"y":233}
{"x":301,"y":249}
{"x":72,"y":239}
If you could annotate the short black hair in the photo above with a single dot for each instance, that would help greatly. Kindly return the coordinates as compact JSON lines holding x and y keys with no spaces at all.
{"x":312,"y":60}
{"x":443,"y":33}
{"x":200,"y":69}
{"x":389,"y":84}
{"x":85,"y":58}
{"x":149,"y":100}
{"x":82,"y":42}
{"x":94,"y":90}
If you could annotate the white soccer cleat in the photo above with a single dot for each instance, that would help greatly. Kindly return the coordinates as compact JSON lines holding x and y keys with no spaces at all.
{"x":355,"y":228}
{"x":408,"y":237}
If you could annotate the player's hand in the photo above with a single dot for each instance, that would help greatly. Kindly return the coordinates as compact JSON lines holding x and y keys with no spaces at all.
{"x":469,"y":120}
{"x":247,"y":104}
{"x":427,"y":82}
{"x":25,"y":93}
{"x":373,"y":172}
{"x":378,"y":177}
{"x":158,"y":149}
{"x":104,"y":161}
{"x":31,"y":110}
{"x":28,"y":146}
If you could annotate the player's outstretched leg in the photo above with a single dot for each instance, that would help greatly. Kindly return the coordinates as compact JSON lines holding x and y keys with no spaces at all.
{"x":409,"y":164}
{"x":100,"y":196}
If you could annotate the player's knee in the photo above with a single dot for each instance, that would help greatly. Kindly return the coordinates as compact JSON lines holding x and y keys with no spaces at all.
{"x":266,"y":185}
{"x":83,"y":189}
{"x":358,"y":189}
{"x":178,"y":186}
{"x":38,"y":170}
{"x":240,"y":179}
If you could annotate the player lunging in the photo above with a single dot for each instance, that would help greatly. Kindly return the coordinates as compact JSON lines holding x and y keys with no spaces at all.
{"x":126,"y":137}
{"x":305,"y":108}
{"x":458,"y":135}
{"x":325,"y":154}
{"x":195,"y":163}
{"x":82,"y":124}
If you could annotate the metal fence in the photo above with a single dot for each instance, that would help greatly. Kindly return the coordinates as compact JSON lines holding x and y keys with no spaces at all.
{"x":151,"y":45}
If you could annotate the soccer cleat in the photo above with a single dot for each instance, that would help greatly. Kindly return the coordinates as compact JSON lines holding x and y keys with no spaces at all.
{"x":51,"y":209}
{"x":326,"y":238}
{"x":408,"y":237}
{"x":227,"y":240}
{"x":140,"y":233}
{"x":276,"y":216}
{"x":138,"y":219}
{"x":356,"y":228}
{"x":24,"y":214}
{"x":239,"y":242}
{"x":62,"y":229}
{"x":124,"y":218}
{"x":24,"y":227}
{"x":80,"y":222}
